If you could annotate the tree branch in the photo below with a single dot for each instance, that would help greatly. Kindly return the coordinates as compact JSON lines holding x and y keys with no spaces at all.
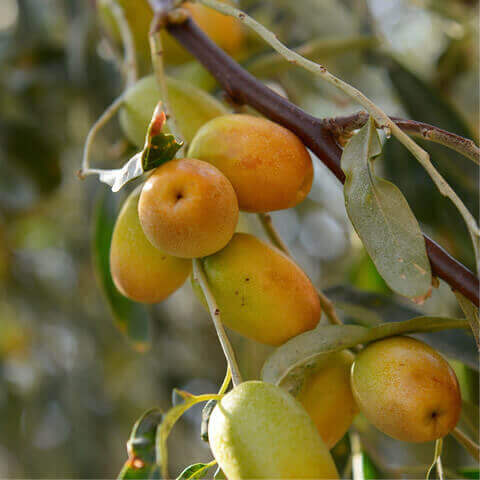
{"x":314,"y":132}
{"x":344,"y":125}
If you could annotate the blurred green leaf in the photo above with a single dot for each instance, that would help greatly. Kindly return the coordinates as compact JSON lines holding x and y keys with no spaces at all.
{"x":197,"y":470}
{"x":369,"y":469}
{"x":471,"y":472}
{"x":130,"y":317}
{"x":423,"y":103}
{"x":142,"y":462}
{"x":305,"y":348}
{"x":471,"y":313}
{"x":382,"y":218}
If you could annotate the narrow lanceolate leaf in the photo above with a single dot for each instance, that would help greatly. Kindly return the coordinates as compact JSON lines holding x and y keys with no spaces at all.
{"x":471,"y":314}
{"x":197,"y":470}
{"x":131,"y":318}
{"x":304,"y":350}
{"x":159,"y":148}
{"x":142,"y":462}
{"x":382,"y":218}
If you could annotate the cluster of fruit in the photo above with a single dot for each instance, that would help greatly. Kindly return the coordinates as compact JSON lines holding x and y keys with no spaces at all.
{"x":188,"y":208}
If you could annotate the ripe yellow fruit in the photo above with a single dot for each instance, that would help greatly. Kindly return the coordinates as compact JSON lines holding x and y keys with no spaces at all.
{"x":188,"y":208}
{"x":225,"y":31}
{"x":406,"y":389}
{"x":327,"y":396}
{"x":193,"y":108}
{"x":139,"y":270}
{"x":269,"y":167}
{"x":261,"y":293}
{"x":259,"y":431}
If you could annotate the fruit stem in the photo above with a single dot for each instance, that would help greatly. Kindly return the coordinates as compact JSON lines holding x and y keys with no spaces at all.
{"x":130,"y":57}
{"x":357,"y":456}
{"x":102,"y":120}
{"x":276,"y":239}
{"x":156,"y":51}
{"x":199,"y":275}
{"x":437,"y":460}
{"x":467,"y":443}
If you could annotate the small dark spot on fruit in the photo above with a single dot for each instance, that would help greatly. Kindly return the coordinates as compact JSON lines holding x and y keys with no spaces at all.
{"x":217,"y":311}
{"x":179,"y":196}
{"x":247,"y":279}
{"x":236,"y":292}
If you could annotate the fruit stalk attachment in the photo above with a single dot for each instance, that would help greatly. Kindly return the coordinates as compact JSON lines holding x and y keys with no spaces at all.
{"x":199,"y":275}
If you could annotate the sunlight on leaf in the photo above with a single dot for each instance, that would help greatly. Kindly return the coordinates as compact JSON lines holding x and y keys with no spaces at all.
{"x":383,"y":219}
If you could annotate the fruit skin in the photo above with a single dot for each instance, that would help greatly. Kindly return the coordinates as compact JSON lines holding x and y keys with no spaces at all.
{"x":406,"y":389}
{"x":139,"y":270}
{"x":188,"y":208}
{"x":259,"y":431}
{"x":269,"y":167}
{"x":192,"y":106}
{"x":225,"y":31}
{"x":261,"y":293}
{"x":327,"y":397}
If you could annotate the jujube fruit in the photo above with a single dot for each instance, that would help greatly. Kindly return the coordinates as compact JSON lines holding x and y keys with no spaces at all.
{"x":259,"y":431}
{"x":406,"y":389}
{"x":188,"y":208}
{"x":227,"y":32}
{"x":139,"y":270}
{"x":192,"y":107}
{"x":327,"y":396}
{"x":260,"y":292}
{"x":269,"y":167}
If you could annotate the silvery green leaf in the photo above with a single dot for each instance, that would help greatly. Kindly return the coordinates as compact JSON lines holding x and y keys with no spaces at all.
{"x":304,"y":349}
{"x":383,"y":219}
{"x":117,"y":178}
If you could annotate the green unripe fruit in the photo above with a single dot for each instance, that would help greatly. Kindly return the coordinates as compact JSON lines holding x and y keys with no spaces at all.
{"x":327,"y":397}
{"x":406,"y":389}
{"x":260,"y":292}
{"x":259,"y":431}
{"x":193,"y":107}
{"x":268,"y":165}
{"x":139,"y":270}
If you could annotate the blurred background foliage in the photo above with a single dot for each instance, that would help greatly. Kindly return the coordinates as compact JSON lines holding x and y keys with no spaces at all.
{"x":71,"y":385}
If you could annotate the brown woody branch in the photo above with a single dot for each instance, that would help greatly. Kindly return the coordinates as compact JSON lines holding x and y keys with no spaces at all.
{"x":341,"y":126}
{"x":315,"y":133}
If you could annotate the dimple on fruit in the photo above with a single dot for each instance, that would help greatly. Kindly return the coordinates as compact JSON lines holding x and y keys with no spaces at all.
{"x":139,"y":270}
{"x":193,"y":108}
{"x":406,"y":389}
{"x":259,"y":431}
{"x":188,"y":208}
{"x":327,"y":397}
{"x":269,"y":167}
{"x":260,"y":292}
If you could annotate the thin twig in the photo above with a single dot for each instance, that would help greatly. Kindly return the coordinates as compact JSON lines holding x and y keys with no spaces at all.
{"x":276,"y":239}
{"x":466,"y":442}
{"x":130,"y":57}
{"x":357,"y":456}
{"x":273,"y":235}
{"x":102,"y":120}
{"x":201,"y":278}
{"x":156,"y":51}
{"x":436,"y":460}
{"x":464,"y":146}
{"x":314,"y":132}
{"x":381,"y":118}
